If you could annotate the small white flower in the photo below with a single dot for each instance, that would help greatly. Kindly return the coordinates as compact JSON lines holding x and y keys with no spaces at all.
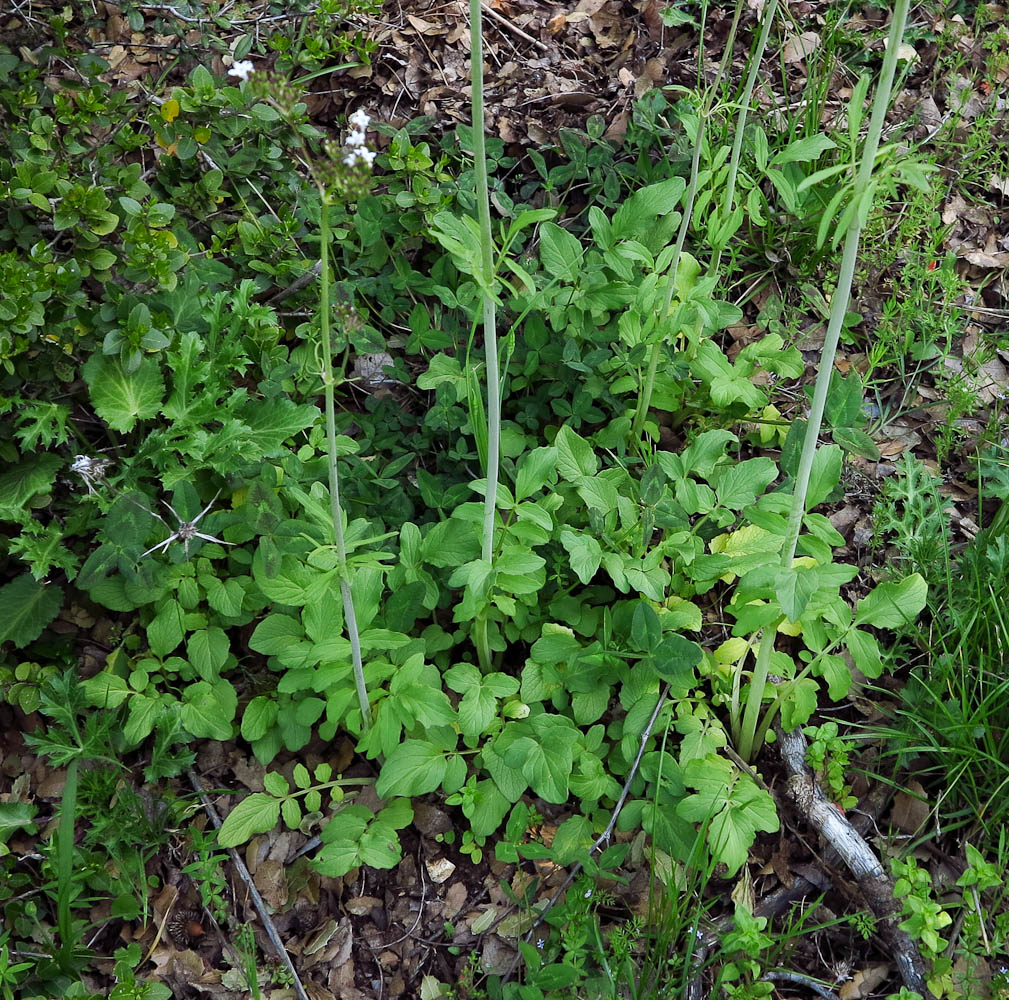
{"x":359,"y":120}
{"x":91,"y":470}
{"x":241,"y":69}
{"x":540,"y":943}
{"x":356,"y":139}
{"x":588,"y":894}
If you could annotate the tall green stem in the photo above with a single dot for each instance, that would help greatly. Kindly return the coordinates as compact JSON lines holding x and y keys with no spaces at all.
{"x":481,"y":632}
{"x":744,"y":108}
{"x":487,"y":266}
{"x":648,"y":385}
{"x":838,"y":309}
{"x":334,"y":481}
{"x":839,"y":302}
{"x":65,"y":865}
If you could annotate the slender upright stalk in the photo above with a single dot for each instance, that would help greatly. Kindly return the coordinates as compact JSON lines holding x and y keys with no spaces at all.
{"x":839,"y":302}
{"x":65,"y":866}
{"x":648,"y":385}
{"x":481,"y":632}
{"x":487,"y":266}
{"x":334,"y":481}
{"x":744,"y":108}
{"x":838,"y":309}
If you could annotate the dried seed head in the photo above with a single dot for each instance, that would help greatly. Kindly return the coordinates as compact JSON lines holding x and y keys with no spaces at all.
{"x":185,"y":927}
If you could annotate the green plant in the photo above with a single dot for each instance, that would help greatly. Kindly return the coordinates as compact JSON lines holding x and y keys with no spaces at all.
{"x":829,"y":757}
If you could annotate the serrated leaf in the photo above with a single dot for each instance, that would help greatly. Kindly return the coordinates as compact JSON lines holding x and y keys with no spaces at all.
{"x":584,"y":552}
{"x":258,"y":718}
{"x":26,"y":608}
{"x":256,"y":813}
{"x":560,"y":252}
{"x":415,"y":767}
{"x":21,"y":482}
{"x":272,"y":421}
{"x":275,"y":633}
{"x":143,"y":716}
{"x":207,"y":709}
{"x":122,"y":399}
{"x":290,"y":812}
{"x":166,"y":629}
{"x":208,"y":650}
{"x":14,"y":816}
{"x":575,"y":457}
{"x":890,"y":605}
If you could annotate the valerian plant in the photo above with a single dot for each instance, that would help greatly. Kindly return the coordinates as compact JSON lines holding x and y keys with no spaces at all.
{"x":491,"y":595}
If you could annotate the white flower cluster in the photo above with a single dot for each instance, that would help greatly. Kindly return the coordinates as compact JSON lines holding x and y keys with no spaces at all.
{"x":241,"y":69}
{"x":357,"y":149}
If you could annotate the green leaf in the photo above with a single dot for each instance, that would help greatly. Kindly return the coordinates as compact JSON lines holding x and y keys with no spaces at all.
{"x":208,"y":709}
{"x":275,"y":633}
{"x":575,"y":456}
{"x":26,"y":608}
{"x":23,"y":481}
{"x":731,"y":804}
{"x":794,"y":587}
{"x":225,"y":596}
{"x":560,"y":252}
{"x":256,"y":813}
{"x":584,"y":552}
{"x":144,"y":713}
{"x":122,"y":399}
{"x":675,"y":658}
{"x":572,"y":840}
{"x":208,"y":651}
{"x":865,"y":652}
{"x":804,"y":150}
{"x":825,"y":474}
{"x":271,"y":422}
{"x":546,"y":761}
{"x":646,"y":629}
{"x":485,"y":807}
{"x":536,"y":469}
{"x":258,"y":718}
{"x":14,"y":816}
{"x":166,"y":630}
{"x":415,"y":767}
{"x":890,"y":605}
{"x":739,"y":484}
{"x":106,"y":690}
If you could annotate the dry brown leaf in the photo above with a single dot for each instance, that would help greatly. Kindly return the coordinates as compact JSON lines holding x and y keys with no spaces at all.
{"x":557,"y":24}
{"x":454,"y":901}
{"x":864,"y":982}
{"x":361,"y":905}
{"x":423,"y":27}
{"x":910,"y":811}
{"x":271,"y":881}
{"x":799,"y":46}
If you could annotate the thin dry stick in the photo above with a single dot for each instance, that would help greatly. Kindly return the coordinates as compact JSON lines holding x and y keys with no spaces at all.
{"x":858,"y":856}
{"x":257,"y":900}
{"x":502,"y":20}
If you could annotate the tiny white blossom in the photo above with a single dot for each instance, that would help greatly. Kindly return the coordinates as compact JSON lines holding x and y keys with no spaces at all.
{"x":588,"y":894}
{"x":540,"y":943}
{"x":359,"y":120}
{"x":356,"y":139}
{"x":91,"y":470}
{"x":241,"y":69}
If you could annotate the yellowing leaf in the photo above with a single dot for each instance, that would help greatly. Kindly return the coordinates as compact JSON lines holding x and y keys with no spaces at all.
{"x":170,"y":110}
{"x":201,"y":134}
